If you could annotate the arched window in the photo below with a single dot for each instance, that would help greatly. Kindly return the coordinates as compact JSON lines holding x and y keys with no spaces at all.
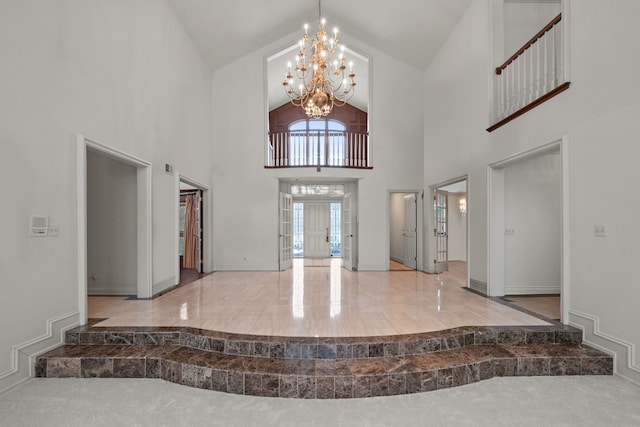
{"x":327,"y":125}
{"x":317,"y":142}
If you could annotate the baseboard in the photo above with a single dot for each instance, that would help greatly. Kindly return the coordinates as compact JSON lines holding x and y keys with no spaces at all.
{"x":23,"y":355}
{"x":112,"y":290}
{"x":397,"y":259}
{"x":531,"y":290}
{"x":623,"y":351}
{"x":478,"y":286}
{"x":245,"y":267}
{"x":373,"y":268}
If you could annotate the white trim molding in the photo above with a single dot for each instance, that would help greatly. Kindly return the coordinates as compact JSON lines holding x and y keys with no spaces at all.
{"x":246,"y":267}
{"x":144,"y":286}
{"x":622,"y":351}
{"x":23,"y":355}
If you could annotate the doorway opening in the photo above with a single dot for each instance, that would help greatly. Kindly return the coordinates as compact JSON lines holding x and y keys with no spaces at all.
{"x":95,"y":161}
{"x":190,"y":246}
{"x":192,"y":230}
{"x":527,"y":227}
{"x":316,"y":222}
{"x":448,"y":243}
{"x":403,"y":231}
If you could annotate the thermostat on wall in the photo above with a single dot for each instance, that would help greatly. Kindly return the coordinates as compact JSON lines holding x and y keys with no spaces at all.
{"x":38,"y":225}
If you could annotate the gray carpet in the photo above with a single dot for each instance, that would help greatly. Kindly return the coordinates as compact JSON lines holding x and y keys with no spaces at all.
{"x":530,"y":401}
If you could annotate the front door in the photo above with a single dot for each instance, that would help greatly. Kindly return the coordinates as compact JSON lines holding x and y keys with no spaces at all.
{"x":317,"y":225}
{"x":410,"y":231}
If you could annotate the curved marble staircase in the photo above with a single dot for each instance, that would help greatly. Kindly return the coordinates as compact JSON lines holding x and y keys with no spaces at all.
{"x":323,"y":368}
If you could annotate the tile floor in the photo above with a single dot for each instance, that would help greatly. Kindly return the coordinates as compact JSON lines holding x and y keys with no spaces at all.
{"x":316,"y":300}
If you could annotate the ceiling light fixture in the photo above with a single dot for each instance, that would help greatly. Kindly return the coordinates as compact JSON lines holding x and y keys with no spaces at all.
{"x":321,"y":77}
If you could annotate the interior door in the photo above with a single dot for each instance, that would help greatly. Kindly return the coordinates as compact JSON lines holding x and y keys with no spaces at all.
{"x":286,"y":231}
{"x":347,"y":233}
{"x":317,"y":222}
{"x":440,"y":231}
{"x":410,"y":231}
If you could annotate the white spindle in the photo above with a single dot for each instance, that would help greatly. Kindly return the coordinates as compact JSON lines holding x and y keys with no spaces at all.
{"x":538,"y":71}
{"x":530,"y":77}
{"x":552,"y":35}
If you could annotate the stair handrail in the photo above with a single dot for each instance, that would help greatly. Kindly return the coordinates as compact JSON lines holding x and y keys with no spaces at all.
{"x":528,"y":44}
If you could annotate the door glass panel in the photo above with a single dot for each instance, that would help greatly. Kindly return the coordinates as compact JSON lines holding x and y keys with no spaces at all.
{"x":298,"y":229}
{"x":335,"y":238}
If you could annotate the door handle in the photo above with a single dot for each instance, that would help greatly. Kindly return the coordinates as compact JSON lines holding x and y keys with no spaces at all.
{"x":327,"y":235}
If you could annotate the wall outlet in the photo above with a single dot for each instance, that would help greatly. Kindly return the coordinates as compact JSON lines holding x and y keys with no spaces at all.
{"x":600,"y":230}
{"x":54,"y":230}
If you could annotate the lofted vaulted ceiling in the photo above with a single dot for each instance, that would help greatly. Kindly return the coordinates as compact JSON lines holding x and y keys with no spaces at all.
{"x":411,"y":31}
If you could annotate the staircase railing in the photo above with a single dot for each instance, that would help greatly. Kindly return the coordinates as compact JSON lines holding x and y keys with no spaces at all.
{"x":532,"y":75}
{"x":318,"y":149}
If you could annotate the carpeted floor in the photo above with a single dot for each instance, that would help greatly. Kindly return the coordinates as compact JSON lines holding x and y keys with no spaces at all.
{"x":525,"y":401}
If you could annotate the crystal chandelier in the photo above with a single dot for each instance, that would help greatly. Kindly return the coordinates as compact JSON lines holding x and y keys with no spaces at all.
{"x":319,"y":81}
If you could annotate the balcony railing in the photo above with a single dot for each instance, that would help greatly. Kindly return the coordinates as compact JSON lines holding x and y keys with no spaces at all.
{"x":318,"y":149}
{"x":531,"y":76}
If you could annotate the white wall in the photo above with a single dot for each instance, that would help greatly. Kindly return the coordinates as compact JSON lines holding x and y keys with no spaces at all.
{"x":598,"y":114}
{"x":523,"y":20}
{"x":247,"y":239}
{"x":111,"y":226}
{"x":122,"y":72}
{"x":533,"y":210}
{"x":396,"y":220}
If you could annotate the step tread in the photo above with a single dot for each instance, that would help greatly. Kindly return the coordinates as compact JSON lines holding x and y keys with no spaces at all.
{"x":325,"y":367}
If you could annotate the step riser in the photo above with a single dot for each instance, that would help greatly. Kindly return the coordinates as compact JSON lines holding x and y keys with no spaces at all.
{"x":330,"y":348}
{"x":319,"y":386}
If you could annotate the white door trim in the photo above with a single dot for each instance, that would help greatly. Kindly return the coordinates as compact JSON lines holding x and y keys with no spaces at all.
{"x":144,"y":248}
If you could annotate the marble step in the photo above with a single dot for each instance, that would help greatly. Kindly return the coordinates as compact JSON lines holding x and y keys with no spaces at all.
{"x":280,"y":347}
{"x":322,"y":378}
